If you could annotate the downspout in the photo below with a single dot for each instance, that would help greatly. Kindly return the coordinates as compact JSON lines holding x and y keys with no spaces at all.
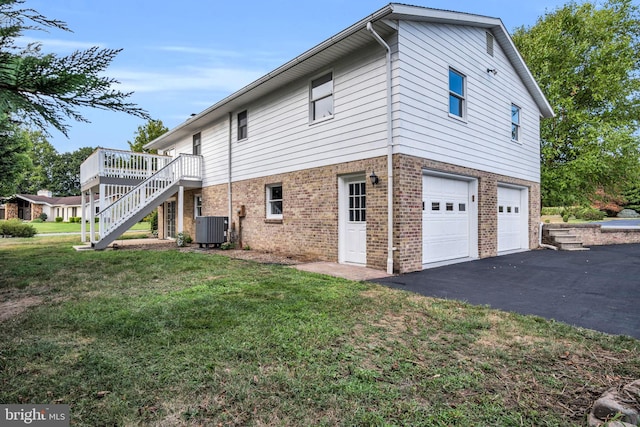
{"x":544,"y":245}
{"x":229,"y":193}
{"x":390,"y":247}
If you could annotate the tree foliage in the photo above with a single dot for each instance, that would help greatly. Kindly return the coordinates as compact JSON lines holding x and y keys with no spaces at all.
{"x":586,"y":59}
{"x":14,"y":157}
{"x":44,"y":89}
{"x":147,"y":133}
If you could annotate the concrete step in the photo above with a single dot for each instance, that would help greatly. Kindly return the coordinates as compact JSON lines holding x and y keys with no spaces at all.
{"x":566,"y":239}
{"x":572,"y":246}
{"x":560,"y":232}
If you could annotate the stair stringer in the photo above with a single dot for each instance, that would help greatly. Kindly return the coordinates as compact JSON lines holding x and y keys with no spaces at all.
{"x":114,"y":233}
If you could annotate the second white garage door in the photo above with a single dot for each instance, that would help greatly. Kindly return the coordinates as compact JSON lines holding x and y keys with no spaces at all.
{"x":446,"y":219}
{"x":512,"y":219}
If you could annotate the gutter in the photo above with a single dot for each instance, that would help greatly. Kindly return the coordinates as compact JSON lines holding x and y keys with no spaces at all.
{"x":390,"y":247}
{"x":229,"y":183}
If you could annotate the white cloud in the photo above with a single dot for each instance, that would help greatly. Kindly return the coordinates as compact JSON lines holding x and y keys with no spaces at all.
{"x":201,"y":51}
{"x":57,"y":45}
{"x":226,"y":80}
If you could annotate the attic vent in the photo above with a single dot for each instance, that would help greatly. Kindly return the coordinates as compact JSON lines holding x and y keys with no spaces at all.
{"x":489,"y":43}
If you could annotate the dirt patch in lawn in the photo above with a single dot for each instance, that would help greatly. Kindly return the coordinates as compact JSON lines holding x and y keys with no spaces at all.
{"x":12,"y":308}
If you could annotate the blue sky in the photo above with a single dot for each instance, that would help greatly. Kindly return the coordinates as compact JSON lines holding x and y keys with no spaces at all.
{"x":180,"y":57}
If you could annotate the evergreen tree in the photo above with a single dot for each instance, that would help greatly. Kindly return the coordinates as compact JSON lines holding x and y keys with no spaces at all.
{"x":45,"y":89}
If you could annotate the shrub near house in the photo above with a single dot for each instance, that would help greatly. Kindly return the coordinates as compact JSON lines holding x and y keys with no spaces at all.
{"x":16,"y":228}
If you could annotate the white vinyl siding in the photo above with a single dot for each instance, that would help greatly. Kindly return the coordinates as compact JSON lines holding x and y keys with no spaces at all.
{"x":357,"y":130}
{"x":483,"y":140}
{"x":214,"y":149}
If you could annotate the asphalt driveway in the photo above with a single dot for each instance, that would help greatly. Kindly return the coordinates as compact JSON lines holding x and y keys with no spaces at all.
{"x":597,"y":289}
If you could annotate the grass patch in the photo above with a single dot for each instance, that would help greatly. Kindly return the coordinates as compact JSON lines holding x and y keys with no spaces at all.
{"x":134,"y":337}
{"x":74,"y":227}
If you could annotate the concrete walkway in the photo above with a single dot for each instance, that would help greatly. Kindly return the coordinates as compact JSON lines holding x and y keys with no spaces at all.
{"x":345,"y":271}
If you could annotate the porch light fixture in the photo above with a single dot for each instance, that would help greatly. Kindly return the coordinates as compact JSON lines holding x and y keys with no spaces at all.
{"x":492,"y":70}
{"x":374,"y":178}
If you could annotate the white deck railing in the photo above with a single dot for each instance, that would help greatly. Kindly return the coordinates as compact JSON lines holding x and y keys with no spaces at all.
{"x":183,"y":167}
{"x":121,"y":164}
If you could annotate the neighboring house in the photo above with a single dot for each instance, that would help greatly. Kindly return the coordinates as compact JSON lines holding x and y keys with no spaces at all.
{"x":406,"y":141}
{"x":29,"y":206}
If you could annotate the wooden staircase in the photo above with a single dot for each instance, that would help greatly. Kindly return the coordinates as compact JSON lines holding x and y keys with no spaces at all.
{"x":564,"y":239}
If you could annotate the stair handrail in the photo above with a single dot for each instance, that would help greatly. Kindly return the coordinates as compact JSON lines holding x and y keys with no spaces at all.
{"x":140,"y":196}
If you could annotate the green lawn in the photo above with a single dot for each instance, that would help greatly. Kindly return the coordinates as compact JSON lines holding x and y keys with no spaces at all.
{"x":74,"y":227}
{"x":177,"y":338}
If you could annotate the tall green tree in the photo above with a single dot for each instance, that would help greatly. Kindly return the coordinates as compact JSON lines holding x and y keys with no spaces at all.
{"x":147,"y":133}
{"x":45,"y":89}
{"x":14,"y":157}
{"x":65,"y":172}
{"x":586,"y":58}
{"x":43,"y":155}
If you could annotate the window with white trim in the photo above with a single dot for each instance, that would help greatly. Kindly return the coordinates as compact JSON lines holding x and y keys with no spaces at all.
{"x":321,"y":97}
{"x":457,"y":101}
{"x":515,"y":122}
{"x":274,"y":201}
{"x":242,"y":125}
{"x":197,"y":205}
{"x":197,"y":144}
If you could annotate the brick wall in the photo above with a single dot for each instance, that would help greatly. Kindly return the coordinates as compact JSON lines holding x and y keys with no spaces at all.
{"x":595,"y":235}
{"x":36,"y":210}
{"x":11,"y":211}
{"x":408,"y":208}
{"x":309,"y":228}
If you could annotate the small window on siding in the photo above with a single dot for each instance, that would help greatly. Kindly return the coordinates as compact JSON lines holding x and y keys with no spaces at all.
{"x":322,"y":97}
{"x":489,"y":43}
{"x":456,"y":93}
{"x":435,"y":206}
{"x":515,"y":122}
{"x":197,"y":149}
{"x":242,"y":125}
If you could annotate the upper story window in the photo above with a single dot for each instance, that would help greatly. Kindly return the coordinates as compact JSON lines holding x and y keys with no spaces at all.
{"x":197,"y":150}
{"x":321,"y":105}
{"x":515,"y":122}
{"x":457,"y":100}
{"x":242,"y":125}
{"x":274,"y":201}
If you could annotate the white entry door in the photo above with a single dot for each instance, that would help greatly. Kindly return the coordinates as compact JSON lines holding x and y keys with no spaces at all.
{"x":446,"y":228}
{"x":512,"y":219}
{"x":353,"y":218}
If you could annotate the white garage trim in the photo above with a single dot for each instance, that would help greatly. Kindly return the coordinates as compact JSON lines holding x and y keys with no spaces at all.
{"x":449,"y":219}
{"x":513,"y":219}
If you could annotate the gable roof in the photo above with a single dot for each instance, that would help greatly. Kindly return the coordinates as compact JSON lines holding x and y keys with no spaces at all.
{"x":51,"y":201}
{"x":348,"y":40}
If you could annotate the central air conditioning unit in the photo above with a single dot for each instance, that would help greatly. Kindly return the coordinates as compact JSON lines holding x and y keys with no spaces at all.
{"x":211,"y":230}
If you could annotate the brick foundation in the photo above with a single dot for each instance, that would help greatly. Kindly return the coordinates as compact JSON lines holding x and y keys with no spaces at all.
{"x":409,"y":171}
{"x":309,"y":227}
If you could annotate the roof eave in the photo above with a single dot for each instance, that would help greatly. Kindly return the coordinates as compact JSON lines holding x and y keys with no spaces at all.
{"x":392,"y":11}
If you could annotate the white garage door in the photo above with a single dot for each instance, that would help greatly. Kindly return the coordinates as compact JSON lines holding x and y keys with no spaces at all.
{"x":445,"y":219}
{"x":512,"y":219}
